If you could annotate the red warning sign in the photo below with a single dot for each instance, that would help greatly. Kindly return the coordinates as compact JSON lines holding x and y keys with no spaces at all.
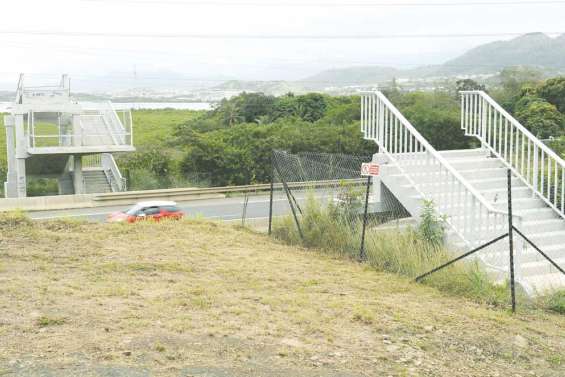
{"x":370,"y":169}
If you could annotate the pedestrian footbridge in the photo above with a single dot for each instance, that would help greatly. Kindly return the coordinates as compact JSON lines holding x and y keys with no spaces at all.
{"x":51,"y":135}
{"x":469,"y":187}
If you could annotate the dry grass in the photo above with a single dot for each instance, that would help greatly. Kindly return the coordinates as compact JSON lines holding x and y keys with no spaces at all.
{"x":201,"y":299}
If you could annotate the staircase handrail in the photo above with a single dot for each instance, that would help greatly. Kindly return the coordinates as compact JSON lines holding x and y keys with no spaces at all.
{"x":529,"y":174}
{"x":109,"y":165}
{"x":431,"y":150}
{"x":517,"y":124}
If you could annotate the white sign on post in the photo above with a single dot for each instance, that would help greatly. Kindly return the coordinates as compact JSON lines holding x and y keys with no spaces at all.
{"x":370,"y":169}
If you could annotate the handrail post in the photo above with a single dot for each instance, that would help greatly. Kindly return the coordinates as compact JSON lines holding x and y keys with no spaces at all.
{"x":381,"y":121}
{"x":535,"y":173}
{"x":511,"y":242}
{"x":483,"y":126}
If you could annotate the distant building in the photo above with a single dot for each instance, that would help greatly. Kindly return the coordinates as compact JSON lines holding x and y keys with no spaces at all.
{"x":50,"y":135}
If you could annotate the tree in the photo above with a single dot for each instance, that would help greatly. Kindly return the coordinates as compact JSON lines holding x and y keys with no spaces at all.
{"x":553,"y":91}
{"x":254,"y":105}
{"x":436,"y":116}
{"x":468,"y":84}
{"x":542,"y":119}
{"x":513,"y":78}
{"x":230,"y":113}
{"x":311,"y":107}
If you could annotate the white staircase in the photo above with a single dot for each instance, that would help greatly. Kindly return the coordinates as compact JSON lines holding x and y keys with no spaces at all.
{"x":96,"y":182}
{"x":469,"y":187}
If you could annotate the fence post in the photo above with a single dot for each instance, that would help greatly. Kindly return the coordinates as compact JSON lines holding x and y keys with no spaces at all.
{"x":289,"y":197}
{"x":511,"y":242}
{"x":244,"y":211}
{"x":271,"y":196}
{"x":362,"y":254}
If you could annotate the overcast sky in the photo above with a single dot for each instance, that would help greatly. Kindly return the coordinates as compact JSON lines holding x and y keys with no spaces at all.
{"x":89,"y":38}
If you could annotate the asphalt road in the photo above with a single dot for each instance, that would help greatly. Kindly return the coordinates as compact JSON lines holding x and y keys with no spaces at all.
{"x":230,"y":208}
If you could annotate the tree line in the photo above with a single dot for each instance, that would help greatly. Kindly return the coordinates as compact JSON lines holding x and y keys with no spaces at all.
{"x":232,"y":144}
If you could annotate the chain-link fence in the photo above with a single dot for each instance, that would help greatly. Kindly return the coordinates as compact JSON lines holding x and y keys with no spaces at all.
{"x":324,"y":198}
{"x":321,"y":201}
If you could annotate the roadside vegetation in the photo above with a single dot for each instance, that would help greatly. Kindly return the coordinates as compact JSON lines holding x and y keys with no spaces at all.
{"x":335,"y":229}
{"x":232,"y":144}
{"x":199,"y":298}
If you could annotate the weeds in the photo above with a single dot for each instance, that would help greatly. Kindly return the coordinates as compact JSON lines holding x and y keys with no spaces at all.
{"x":45,"y":321}
{"x":335,"y":228}
{"x":432,"y":226}
{"x":556,"y":302}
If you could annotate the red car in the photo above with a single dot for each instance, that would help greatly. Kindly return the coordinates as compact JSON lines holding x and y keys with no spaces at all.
{"x":155,"y":211}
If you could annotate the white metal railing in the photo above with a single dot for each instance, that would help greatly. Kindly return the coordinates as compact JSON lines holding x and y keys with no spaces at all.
{"x":61,"y":90}
{"x":117,"y":181}
{"x":531,"y":160}
{"x":467,"y":213}
{"x":93,"y":130}
{"x":92,"y":161}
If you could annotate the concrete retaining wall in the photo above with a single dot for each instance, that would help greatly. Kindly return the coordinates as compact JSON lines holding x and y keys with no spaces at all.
{"x":43,"y":203}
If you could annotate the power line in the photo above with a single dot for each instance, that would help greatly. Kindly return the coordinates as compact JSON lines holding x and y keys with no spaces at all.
{"x":334,"y":4}
{"x":56,"y":33}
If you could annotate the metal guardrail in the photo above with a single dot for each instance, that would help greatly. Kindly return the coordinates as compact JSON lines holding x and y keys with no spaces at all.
{"x":186,"y":192}
{"x":58,"y":202}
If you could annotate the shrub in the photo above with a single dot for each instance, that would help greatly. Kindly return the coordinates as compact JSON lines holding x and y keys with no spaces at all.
{"x":431,"y":227}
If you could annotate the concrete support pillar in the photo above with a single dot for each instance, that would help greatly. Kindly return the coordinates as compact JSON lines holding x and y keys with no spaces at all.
{"x":10,"y":186}
{"x":20,"y":156}
{"x":77,"y":139}
{"x":78,"y":181}
{"x":381,"y":159}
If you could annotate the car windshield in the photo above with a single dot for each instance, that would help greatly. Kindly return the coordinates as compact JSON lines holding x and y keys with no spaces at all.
{"x":134,"y":210}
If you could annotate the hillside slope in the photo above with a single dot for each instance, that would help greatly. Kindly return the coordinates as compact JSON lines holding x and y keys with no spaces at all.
{"x":535,"y":49}
{"x":201,"y":299}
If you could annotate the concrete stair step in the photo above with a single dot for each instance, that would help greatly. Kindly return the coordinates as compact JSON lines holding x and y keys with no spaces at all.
{"x":492,"y":172}
{"x":535,"y":225}
{"x":541,"y":267}
{"x":520,"y":203}
{"x":463,"y":164}
{"x":545,"y":239}
{"x":494,"y":183}
{"x":500,"y":194}
{"x":463,"y":153}
{"x":545,"y":213}
{"x":546,"y":283}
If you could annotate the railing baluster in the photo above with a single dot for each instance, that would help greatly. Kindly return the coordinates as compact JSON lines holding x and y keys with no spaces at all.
{"x":562,"y":189}
{"x":463,"y":111}
{"x":542,"y":171}
{"x":549,"y":179}
{"x":363,"y":116}
{"x":555,"y":183}
{"x":522,"y":167}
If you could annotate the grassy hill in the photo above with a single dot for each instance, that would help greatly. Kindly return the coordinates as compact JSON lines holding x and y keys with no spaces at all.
{"x":202,"y":299}
{"x":536,"y":50}
{"x":153,"y":127}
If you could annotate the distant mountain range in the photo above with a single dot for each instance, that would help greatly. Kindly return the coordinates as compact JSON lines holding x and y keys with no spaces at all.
{"x":535,"y":49}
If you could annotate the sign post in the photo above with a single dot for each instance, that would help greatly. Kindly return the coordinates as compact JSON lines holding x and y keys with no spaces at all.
{"x":368,"y":170}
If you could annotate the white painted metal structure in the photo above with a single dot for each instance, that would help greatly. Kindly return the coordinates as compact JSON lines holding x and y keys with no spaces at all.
{"x":48,"y":133}
{"x":468,"y":187}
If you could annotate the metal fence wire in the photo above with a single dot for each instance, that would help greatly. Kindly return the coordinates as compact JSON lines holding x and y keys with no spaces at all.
{"x":333,"y":207}
{"x":326,"y":196}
